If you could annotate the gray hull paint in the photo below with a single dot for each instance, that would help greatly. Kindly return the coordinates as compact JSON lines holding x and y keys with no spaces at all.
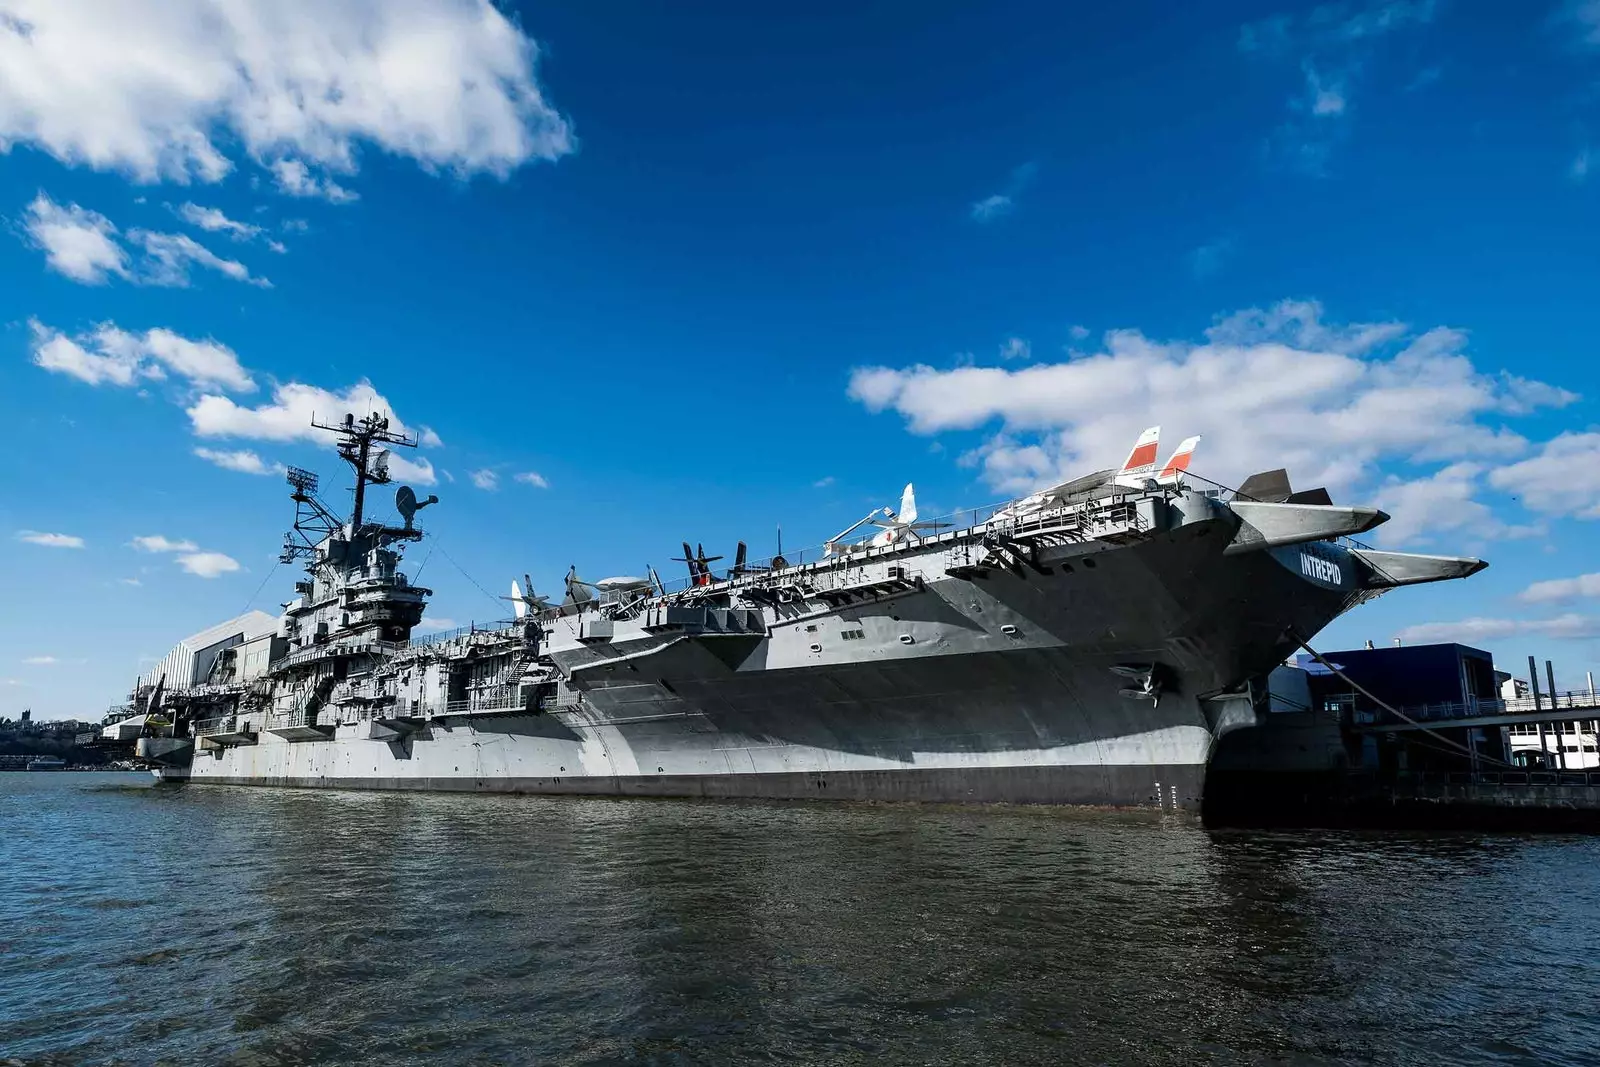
{"x":1172,"y":788}
{"x":965,"y":712}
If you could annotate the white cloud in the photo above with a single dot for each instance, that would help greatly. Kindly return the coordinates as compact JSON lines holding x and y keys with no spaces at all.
{"x":168,"y":257}
{"x":1584,"y":585}
{"x":130,"y":581}
{"x":1268,"y":388}
{"x":427,"y":438}
{"x":78,"y":243}
{"x":41,"y":661}
{"x":50,"y":540}
{"x":87,"y":247}
{"x":1562,"y":479}
{"x":1078,"y":333}
{"x":485,"y":479}
{"x":419,"y":471}
{"x":1323,"y":98}
{"x":991,"y":207}
{"x":1015,"y":348}
{"x":1477,"y":629}
{"x":208,"y":564}
{"x":160,"y":543}
{"x":294,"y":178}
{"x":212,"y":220}
{"x":165,"y":91}
{"x":430,"y":624}
{"x":1579,"y":169}
{"x":1443,"y":502}
{"x":533,"y":478}
{"x":1004,"y":202}
{"x":111,"y":355}
{"x":288,"y":416}
{"x":244,"y":461}
{"x":823,"y":482}
{"x":60,"y":354}
{"x":277,"y":246}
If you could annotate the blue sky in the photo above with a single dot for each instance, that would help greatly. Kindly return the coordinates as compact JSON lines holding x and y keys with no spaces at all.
{"x":693,"y":274}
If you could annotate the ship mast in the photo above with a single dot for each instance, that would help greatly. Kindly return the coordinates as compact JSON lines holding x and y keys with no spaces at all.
{"x":356,"y":438}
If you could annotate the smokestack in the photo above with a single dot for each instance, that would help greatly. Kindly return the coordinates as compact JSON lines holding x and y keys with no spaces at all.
{"x":1533,"y":677}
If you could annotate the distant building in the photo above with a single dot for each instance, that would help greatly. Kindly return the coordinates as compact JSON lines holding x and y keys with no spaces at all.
{"x":27,"y":715}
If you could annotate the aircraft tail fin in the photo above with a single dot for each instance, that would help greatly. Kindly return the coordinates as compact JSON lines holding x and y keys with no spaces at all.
{"x":1178,"y":465}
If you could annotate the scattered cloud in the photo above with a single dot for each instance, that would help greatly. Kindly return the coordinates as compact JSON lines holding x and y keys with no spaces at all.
{"x":208,"y":564}
{"x":419,"y":471}
{"x":430,"y":625}
{"x":277,"y":246}
{"x":823,"y":483}
{"x":244,"y":461}
{"x":1281,"y":386}
{"x":87,"y":247}
{"x":991,"y":207}
{"x":109,"y":355}
{"x":1004,"y":202}
{"x":1477,"y":630}
{"x":169,"y":257}
{"x":1015,"y":348}
{"x":1332,"y":46}
{"x":1078,"y":333}
{"x":294,"y":178}
{"x":77,"y":243}
{"x":41,"y":661}
{"x":485,"y":479}
{"x":1208,"y":259}
{"x":288,"y":416}
{"x":533,"y":478}
{"x":174,"y":91}
{"x":1579,"y":170}
{"x":1441,"y":503}
{"x":1563,"y":478}
{"x":427,"y":438}
{"x":295,"y":225}
{"x":50,"y":540}
{"x":160,"y":543}
{"x":212,"y":220}
{"x":1584,"y":585}
{"x":130,"y":581}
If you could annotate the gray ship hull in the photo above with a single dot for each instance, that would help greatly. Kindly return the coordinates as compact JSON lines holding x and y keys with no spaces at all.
{"x":963,"y":713}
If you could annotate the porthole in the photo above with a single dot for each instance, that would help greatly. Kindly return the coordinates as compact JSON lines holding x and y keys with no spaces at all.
{"x":816,"y":648}
{"x":1088,"y":562}
{"x":906,"y":639}
{"x":1008,"y":630}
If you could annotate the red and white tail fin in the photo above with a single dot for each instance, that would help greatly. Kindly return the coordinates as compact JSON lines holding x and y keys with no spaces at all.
{"x":1173,"y":472}
{"x":1141,"y":464}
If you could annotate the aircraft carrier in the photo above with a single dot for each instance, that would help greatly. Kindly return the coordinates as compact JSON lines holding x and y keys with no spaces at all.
{"x":1087,"y":644}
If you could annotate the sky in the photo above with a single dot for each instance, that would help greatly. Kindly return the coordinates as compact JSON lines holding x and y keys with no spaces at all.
{"x":639,"y":273}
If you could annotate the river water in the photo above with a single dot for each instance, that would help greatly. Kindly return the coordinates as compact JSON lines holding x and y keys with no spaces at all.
{"x":219,"y":925}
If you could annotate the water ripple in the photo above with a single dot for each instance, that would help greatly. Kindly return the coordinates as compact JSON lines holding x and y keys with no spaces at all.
{"x":259,"y":927}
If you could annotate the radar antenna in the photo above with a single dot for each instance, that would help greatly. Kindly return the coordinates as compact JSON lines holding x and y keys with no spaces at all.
{"x":356,"y":438}
{"x":313,"y":521}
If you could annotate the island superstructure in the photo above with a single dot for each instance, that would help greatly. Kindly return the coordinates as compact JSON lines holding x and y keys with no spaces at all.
{"x":1087,"y":644}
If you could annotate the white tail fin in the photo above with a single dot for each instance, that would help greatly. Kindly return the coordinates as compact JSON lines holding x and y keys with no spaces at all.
{"x":1173,"y":472}
{"x":518,"y":605}
{"x":1141,"y":462}
{"x":908,"y":506}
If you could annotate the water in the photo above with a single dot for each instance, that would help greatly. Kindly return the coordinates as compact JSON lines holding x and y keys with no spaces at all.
{"x":216,"y":925}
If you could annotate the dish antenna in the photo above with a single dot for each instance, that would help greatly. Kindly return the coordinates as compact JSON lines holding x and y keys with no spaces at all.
{"x":407,"y":504}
